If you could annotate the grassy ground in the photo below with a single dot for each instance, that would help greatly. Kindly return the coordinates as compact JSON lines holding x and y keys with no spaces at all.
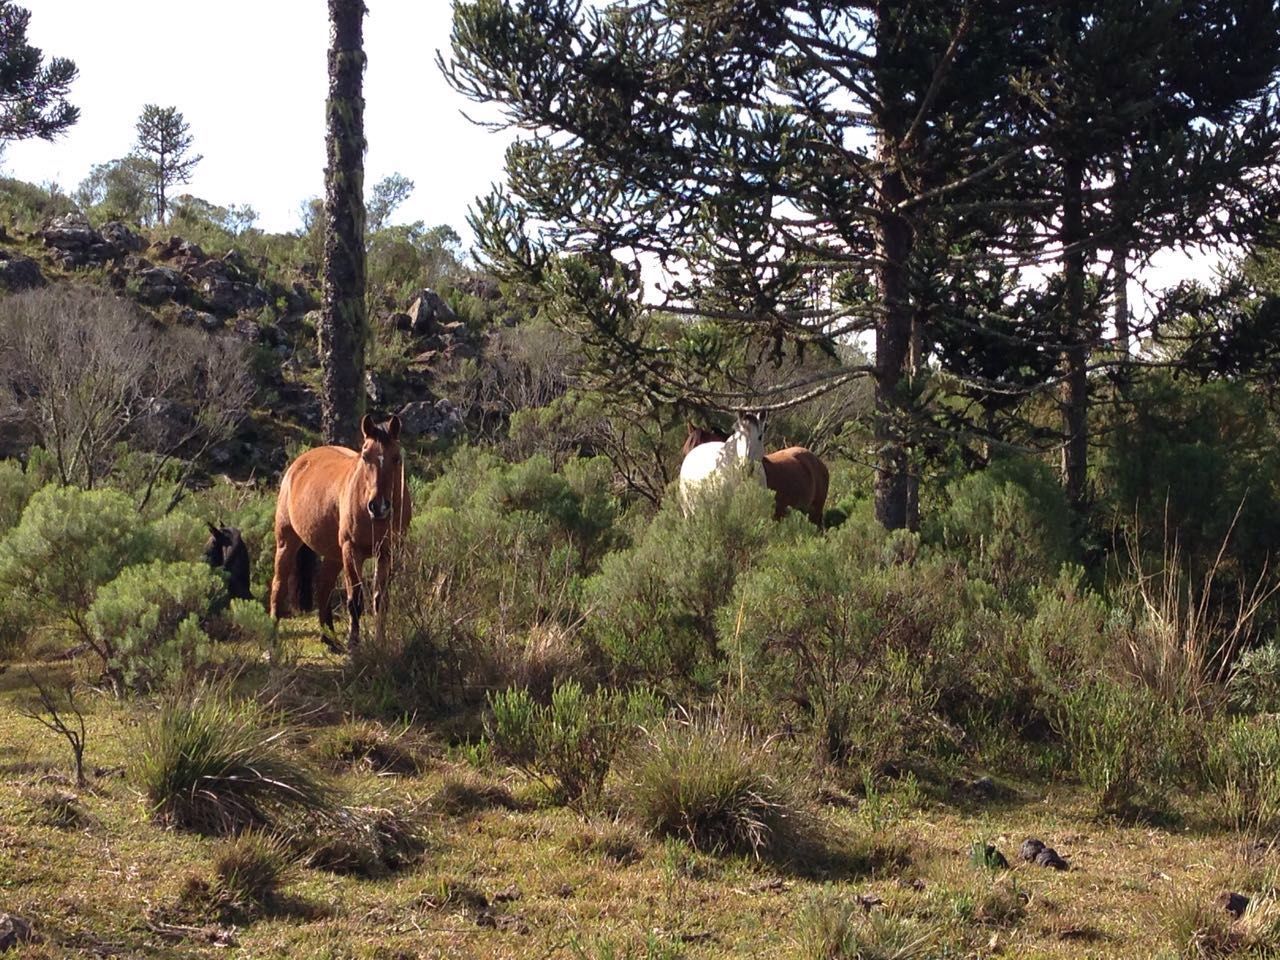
{"x":98,"y":878}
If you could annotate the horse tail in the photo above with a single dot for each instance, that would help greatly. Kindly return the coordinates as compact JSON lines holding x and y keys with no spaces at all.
{"x":307,"y":562}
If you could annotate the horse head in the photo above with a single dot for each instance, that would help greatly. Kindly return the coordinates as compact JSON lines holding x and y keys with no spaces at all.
{"x":226,"y":549}
{"x":381,"y":469}
{"x":748,"y":437}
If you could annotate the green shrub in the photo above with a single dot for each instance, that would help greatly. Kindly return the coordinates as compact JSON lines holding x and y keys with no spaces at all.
{"x":149,"y":619}
{"x":1243,"y":769}
{"x":570,"y":744}
{"x":16,"y":487}
{"x":1254,"y":686}
{"x":1010,"y":523}
{"x":252,"y":623}
{"x":717,"y":788}
{"x":215,"y":765}
{"x":1126,"y":744}
{"x":844,"y":646}
{"x":69,"y":543}
{"x":653,"y":606}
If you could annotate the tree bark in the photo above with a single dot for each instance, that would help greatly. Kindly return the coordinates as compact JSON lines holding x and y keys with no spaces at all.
{"x":1075,"y":355}
{"x":893,"y":343}
{"x":341,"y":333}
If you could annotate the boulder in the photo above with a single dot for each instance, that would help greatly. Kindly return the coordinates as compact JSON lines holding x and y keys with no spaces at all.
{"x":228,"y":297}
{"x":1031,"y":848}
{"x":156,"y":285}
{"x":18,"y":273}
{"x":193,"y":317}
{"x":427,"y":310}
{"x":374,"y":388}
{"x":399,"y":321}
{"x":122,"y":238}
{"x":422,"y":418}
{"x":75,"y":243}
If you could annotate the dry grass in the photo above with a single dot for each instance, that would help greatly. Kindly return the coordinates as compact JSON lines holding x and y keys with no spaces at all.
{"x":515,"y":883}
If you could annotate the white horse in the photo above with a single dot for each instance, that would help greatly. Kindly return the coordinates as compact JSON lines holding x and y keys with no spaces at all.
{"x":709,"y":465}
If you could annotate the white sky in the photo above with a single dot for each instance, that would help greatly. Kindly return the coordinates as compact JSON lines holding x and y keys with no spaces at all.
{"x":250,"y":79}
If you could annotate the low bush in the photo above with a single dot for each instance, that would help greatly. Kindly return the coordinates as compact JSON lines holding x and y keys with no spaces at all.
{"x":1243,"y":770}
{"x":1009,"y":523}
{"x":832,"y":927}
{"x":570,"y":744}
{"x":1127,"y":746}
{"x":216,"y":765}
{"x":16,"y":487}
{"x":369,"y":840}
{"x":249,"y":874}
{"x":1254,"y":686}
{"x":824,"y":636}
{"x":149,"y":621}
{"x":653,"y":606}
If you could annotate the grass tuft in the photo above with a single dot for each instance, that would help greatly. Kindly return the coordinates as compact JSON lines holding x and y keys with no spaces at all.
{"x":462,"y":794}
{"x":215,"y":766}
{"x":368,"y":841}
{"x":715,"y":787}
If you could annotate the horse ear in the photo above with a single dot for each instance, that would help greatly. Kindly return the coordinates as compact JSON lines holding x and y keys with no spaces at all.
{"x":367,"y":426}
{"x":216,"y":531}
{"x":393,"y":427}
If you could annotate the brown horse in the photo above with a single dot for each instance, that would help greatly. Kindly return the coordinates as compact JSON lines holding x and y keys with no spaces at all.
{"x":339,"y":508}
{"x":795,"y":475}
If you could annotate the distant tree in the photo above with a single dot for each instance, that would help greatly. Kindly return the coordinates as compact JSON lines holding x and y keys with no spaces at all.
{"x":164,"y":142}
{"x":119,"y":189}
{"x":341,"y":332}
{"x":32,"y":95}
{"x":388,"y":193}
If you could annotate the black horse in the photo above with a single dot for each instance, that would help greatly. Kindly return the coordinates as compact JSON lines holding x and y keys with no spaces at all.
{"x":226,"y":549}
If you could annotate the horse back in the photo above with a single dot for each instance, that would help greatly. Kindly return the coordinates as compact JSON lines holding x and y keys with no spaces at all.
{"x":797,"y":477}
{"x":311,"y":496}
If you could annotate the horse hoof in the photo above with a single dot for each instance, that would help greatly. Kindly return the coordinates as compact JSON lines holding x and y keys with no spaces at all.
{"x":333,"y":643}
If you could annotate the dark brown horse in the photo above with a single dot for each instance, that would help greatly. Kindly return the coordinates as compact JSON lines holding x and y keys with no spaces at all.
{"x":226,"y":549}
{"x":796,"y":476}
{"x":337,"y":508}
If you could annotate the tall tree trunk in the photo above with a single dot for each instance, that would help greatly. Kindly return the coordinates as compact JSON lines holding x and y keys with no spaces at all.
{"x":1075,"y":337}
{"x":342,"y":313}
{"x":893,"y":343}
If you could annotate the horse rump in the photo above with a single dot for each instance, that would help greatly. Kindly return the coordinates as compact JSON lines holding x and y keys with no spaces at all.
{"x":308,"y":560}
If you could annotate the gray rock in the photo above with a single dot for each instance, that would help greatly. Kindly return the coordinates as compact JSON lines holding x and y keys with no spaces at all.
{"x":374,"y":388}
{"x":428,"y":310}
{"x":422,"y":418}
{"x":399,"y":321}
{"x":229,"y":297}
{"x":1234,"y":903}
{"x":1031,"y":848}
{"x":156,"y":285}
{"x":122,"y":238}
{"x":18,"y":273}
{"x":1048,"y":857}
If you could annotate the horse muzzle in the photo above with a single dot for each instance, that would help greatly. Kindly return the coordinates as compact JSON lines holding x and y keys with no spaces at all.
{"x":380,"y":508}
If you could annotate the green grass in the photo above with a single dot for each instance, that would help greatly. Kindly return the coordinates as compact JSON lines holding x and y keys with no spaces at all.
{"x":516,"y":881}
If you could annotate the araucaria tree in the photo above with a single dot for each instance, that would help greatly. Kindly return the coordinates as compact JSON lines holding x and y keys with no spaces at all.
{"x":776,"y":160}
{"x":32,"y":94}
{"x":342,"y":313}
{"x":791,"y":175}
{"x":164,"y":144}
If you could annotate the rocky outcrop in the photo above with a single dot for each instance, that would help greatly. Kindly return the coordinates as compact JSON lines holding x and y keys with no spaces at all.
{"x":427,"y":310}
{"x":75,"y":243}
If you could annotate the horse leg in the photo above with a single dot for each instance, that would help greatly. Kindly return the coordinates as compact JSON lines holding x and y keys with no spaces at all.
{"x":818,"y":503}
{"x":352,"y":563}
{"x":288,"y":543}
{"x":381,"y":574}
{"x":326,"y":580}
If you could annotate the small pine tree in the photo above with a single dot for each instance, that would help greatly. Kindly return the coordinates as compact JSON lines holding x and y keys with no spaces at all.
{"x":164,"y":142}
